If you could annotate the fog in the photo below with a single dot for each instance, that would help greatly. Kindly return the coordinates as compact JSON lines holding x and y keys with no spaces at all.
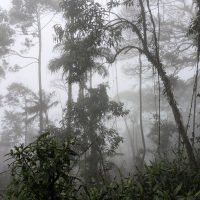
{"x":119,"y":77}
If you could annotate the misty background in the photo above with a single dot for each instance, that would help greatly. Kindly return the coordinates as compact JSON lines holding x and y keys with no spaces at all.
{"x":178,"y":52}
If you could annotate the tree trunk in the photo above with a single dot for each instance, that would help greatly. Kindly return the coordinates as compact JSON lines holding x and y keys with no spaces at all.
{"x":69,"y":104}
{"x":39,"y":70}
{"x":90,"y":77}
{"x":26,"y":121}
{"x":81,"y":88}
{"x":159,"y":119}
{"x":141,"y":111}
{"x":47,"y":118}
{"x":176,"y":112}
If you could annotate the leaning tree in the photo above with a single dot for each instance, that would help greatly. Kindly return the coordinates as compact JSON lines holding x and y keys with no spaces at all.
{"x":143,"y":27}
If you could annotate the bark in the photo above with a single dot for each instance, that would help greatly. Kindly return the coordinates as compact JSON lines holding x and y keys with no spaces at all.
{"x":70,"y":82}
{"x":130,"y":138}
{"x":94,"y":157}
{"x":26,"y":120}
{"x":81,"y":88}
{"x":154,"y":58}
{"x":141,"y":111}
{"x":176,"y":112}
{"x":159,"y":109}
{"x":195,"y":93}
{"x":69,"y":104}
{"x":90,"y":77}
{"x":39,"y":69}
{"x":47,"y":118}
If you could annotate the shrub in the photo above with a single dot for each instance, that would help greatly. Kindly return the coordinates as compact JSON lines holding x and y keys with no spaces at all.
{"x":41,"y":170}
{"x":160,"y":180}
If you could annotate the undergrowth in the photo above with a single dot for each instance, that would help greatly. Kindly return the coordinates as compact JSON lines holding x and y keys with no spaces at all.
{"x":44,"y":170}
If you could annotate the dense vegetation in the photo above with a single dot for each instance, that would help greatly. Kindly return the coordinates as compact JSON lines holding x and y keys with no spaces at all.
{"x":79,"y":157}
{"x":46,"y":169}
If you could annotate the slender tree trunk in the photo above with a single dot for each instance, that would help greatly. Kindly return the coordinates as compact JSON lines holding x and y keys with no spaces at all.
{"x":141,"y":111}
{"x":94,"y":157}
{"x":159,"y":119}
{"x":69,"y":104}
{"x":195,"y":94}
{"x":159,"y":91}
{"x":39,"y":69}
{"x":69,"y":101}
{"x":81,"y":88}
{"x":176,"y":112}
{"x":130,"y":137}
{"x":90,"y":77}
{"x":47,"y":118}
{"x":26,"y":121}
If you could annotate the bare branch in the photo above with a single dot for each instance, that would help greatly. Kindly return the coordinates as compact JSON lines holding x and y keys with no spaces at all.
{"x":123,"y":20}
{"x":15,"y":53}
{"x":127,"y":49}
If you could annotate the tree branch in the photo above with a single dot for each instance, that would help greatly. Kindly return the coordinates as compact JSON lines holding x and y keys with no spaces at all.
{"x":127,"y":48}
{"x":11,"y":52}
{"x":123,"y":20}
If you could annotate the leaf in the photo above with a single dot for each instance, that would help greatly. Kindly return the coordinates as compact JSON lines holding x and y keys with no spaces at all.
{"x":197,"y":194}
{"x":178,"y":188}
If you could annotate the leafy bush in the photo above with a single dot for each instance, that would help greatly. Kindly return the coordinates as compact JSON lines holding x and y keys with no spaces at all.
{"x":41,"y":170}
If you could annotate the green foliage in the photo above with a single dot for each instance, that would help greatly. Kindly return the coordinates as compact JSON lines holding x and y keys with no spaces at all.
{"x":33,"y":108}
{"x":160,"y":180}
{"x":21,"y":98}
{"x":90,"y":119}
{"x":195,"y":24}
{"x":6,"y":40}
{"x":167,"y":130}
{"x":42,"y":170}
{"x":18,"y":94}
{"x":24,"y":12}
{"x":6,"y":33}
{"x":81,"y":40}
{"x":13,"y":128}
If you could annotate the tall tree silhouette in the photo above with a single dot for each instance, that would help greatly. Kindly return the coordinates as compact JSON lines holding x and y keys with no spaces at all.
{"x":18,"y":98}
{"x":33,"y":109}
{"x":6,"y":39}
{"x":27,"y":15}
{"x":80,"y":43}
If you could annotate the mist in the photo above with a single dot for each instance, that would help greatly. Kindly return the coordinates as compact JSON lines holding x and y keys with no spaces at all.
{"x":99,"y":99}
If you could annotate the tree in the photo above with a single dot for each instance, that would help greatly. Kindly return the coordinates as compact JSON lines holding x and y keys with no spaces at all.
{"x":141,"y":110}
{"x":88,"y":119}
{"x":27,"y":15}
{"x":23,"y":100}
{"x":18,"y":98}
{"x":13,"y":129}
{"x":194,"y":31}
{"x":33,"y":109}
{"x":167,"y":132}
{"x":81,"y":47}
{"x":80,"y":40}
{"x":6,"y":39}
{"x":144,"y":28}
